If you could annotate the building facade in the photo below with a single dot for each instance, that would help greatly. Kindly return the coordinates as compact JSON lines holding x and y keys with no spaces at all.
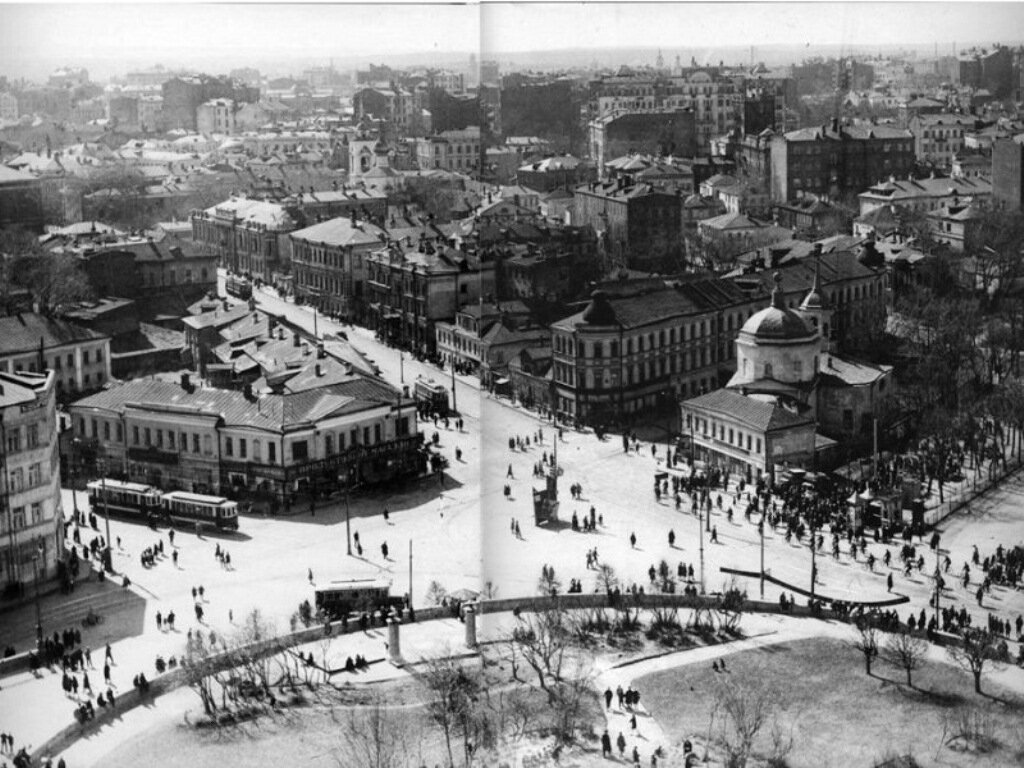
{"x":31,"y":513}
{"x":329,"y":264}
{"x":628,"y":353}
{"x":267,"y":446}
{"x":78,"y":357}
{"x":831,"y":160}
{"x":249,"y":236}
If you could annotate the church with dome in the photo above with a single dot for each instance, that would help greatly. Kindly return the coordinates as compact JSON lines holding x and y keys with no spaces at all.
{"x":793,"y":401}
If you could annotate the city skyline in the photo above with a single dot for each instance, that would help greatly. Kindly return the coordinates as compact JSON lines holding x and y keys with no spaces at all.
{"x":35,"y":39}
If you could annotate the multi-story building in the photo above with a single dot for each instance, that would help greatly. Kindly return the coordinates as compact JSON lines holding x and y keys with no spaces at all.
{"x":329,"y":264}
{"x":31,"y":514}
{"x":633,"y":351}
{"x":832,"y":159}
{"x":183,"y":95}
{"x":401,"y":108}
{"x":559,"y":172}
{"x":78,"y":357}
{"x":206,"y":440}
{"x":992,"y":70}
{"x":654,"y":131}
{"x":216,"y":116}
{"x":938,"y":138}
{"x":713,"y":95}
{"x":955,"y":224}
{"x":413,"y":285}
{"x":637,"y":225}
{"x":450,"y":151}
{"x":1008,"y":172}
{"x":924,"y":195}
{"x":8,"y":107}
{"x":21,"y":199}
{"x":249,"y":236}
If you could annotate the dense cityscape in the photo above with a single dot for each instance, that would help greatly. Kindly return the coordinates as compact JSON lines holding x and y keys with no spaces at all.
{"x":625,"y":403}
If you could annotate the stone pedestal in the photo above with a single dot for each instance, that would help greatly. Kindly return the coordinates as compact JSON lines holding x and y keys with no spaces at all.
{"x":394,"y":644}
{"x":470,"y":616}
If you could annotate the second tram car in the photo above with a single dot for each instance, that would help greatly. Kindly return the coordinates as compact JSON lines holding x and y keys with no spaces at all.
{"x":194,"y":507}
{"x":144,"y":501}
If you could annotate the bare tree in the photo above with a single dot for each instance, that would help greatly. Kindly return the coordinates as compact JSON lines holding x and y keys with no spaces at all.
{"x":977,"y":651}
{"x":867,"y":641}
{"x":905,"y":650}
{"x":543,"y":638}
{"x":54,"y":280}
{"x":745,"y":708}
{"x":454,"y":690}
{"x":374,"y":736}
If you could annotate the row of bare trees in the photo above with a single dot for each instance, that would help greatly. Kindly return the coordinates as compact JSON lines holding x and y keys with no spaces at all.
{"x":976,"y":652}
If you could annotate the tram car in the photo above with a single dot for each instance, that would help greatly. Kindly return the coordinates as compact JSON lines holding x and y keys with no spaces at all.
{"x":431,"y":395}
{"x":238,"y":287}
{"x":341,"y":598}
{"x":181,"y":506}
{"x":127,"y":499}
{"x":143,"y":501}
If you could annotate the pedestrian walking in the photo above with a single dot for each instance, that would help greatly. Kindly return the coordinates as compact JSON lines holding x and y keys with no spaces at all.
{"x":632,"y":540}
{"x":608,"y":698}
{"x":621,"y":744}
{"x":606,"y":745}
{"x":310,"y":575}
{"x":509,"y":473}
{"x":106,"y":674}
{"x":109,"y":655}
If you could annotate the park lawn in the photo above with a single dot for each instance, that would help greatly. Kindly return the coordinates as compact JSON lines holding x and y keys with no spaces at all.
{"x":841,"y":716}
{"x":303,"y":736}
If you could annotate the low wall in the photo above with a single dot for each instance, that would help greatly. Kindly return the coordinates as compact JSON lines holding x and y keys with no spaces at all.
{"x":175,"y":678}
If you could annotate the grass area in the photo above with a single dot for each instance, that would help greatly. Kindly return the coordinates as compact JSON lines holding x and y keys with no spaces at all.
{"x":314,"y":735}
{"x":839,"y":715}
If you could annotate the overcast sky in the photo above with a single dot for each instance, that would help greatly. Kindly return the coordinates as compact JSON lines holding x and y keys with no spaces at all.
{"x":35,"y":38}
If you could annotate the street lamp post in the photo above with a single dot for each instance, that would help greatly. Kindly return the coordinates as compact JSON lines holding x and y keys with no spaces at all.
{"x":71,"y":477}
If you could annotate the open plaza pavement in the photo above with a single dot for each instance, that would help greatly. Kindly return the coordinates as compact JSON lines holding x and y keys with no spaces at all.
{"x":460,"y":537}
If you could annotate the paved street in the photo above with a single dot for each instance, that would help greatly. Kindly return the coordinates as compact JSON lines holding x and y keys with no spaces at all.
{"x":461,"y":538}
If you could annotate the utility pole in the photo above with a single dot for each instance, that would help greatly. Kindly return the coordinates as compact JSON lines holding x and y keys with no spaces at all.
{"x":401,"y":366}
{"x":760,"y":527}
{"x":701,"y":531}
{"x":455,"y":406}
{"x":410,"y":576}
{"x":107,"y":555}
{"x":348,"y":525}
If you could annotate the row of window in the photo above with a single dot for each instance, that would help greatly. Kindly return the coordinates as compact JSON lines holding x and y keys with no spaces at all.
{"x":719,"y":431}
{"x":23,"y":437}
{"x":17,"y":478}
{"x":234,"y":447}
{"x":19,"y":520}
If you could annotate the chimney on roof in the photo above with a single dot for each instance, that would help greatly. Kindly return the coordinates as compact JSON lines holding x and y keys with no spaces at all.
{"x":321,"y":353}
{"x":185,"y":383}
{"x":319,"y":372}
{"x":296,"y":341}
